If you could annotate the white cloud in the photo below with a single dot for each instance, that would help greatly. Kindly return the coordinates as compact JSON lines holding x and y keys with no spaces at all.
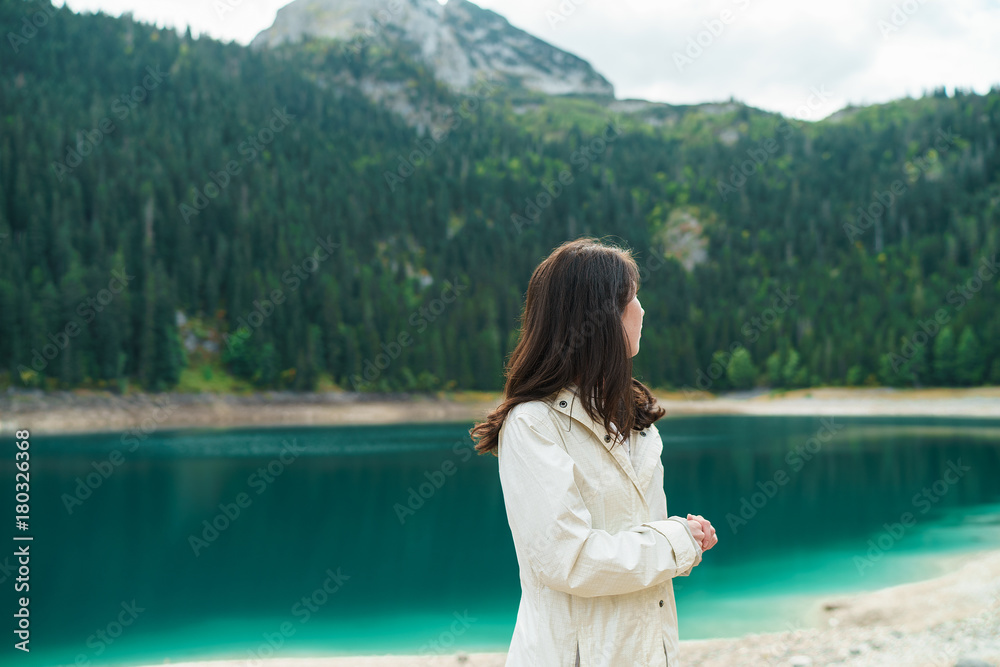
{"x":771,"y":54}
{"x":236,"y":20}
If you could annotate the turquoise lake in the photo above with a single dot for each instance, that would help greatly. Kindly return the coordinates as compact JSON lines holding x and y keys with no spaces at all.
{"x":322,"y":560}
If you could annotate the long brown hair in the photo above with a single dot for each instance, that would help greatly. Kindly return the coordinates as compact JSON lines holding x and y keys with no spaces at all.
{"x":572,"y":331}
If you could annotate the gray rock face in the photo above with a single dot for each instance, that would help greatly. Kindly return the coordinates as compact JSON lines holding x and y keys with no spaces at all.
{"x":460,"y":42}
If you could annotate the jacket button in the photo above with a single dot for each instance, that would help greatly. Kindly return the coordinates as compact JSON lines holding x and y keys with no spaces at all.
{"x":607,"y":438}
{"x":562,"y":404}
{"x":661,"y":603}
{"x":642,"y":433}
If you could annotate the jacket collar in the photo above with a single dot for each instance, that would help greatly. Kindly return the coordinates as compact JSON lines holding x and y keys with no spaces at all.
{"x":568,"y":402}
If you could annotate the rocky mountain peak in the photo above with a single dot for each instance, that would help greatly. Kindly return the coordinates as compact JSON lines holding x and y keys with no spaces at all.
{"x":459,"y":41}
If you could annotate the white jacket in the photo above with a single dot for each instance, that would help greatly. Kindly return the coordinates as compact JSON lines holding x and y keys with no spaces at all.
{"x":596,"y":550}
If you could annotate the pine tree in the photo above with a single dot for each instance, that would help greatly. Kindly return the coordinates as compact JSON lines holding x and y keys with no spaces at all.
{"x":740,"y":371}
{"x":969,"y":361}
{"x":944,"y":358}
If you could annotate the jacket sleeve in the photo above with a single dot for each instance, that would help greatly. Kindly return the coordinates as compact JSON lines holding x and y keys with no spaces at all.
{"x":552,"y":528}
{"x":658,"y":508}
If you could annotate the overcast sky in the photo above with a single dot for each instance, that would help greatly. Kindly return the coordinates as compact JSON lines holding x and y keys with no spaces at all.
{"x":801,"y":58}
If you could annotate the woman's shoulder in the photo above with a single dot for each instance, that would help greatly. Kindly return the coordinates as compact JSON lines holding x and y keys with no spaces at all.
{"x":534,"y":420}
{"x":537,"y":410}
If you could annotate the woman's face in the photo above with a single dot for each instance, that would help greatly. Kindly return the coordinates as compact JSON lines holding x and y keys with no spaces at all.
{"x":632,"y":321}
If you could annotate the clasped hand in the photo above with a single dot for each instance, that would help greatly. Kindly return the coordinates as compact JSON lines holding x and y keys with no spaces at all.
{"x":703,"y":531}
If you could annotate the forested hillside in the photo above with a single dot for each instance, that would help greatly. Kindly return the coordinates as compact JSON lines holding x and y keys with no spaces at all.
{"x":175,"y":207}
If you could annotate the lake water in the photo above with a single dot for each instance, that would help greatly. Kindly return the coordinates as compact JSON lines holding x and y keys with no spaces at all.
{"x":322,"y":560}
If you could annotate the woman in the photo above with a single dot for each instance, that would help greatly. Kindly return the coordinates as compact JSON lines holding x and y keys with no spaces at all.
{"x":582,"y":479}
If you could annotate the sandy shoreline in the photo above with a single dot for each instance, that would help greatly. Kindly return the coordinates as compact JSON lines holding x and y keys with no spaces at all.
{"x":82,"y":412}
{"x":940,"y":621}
